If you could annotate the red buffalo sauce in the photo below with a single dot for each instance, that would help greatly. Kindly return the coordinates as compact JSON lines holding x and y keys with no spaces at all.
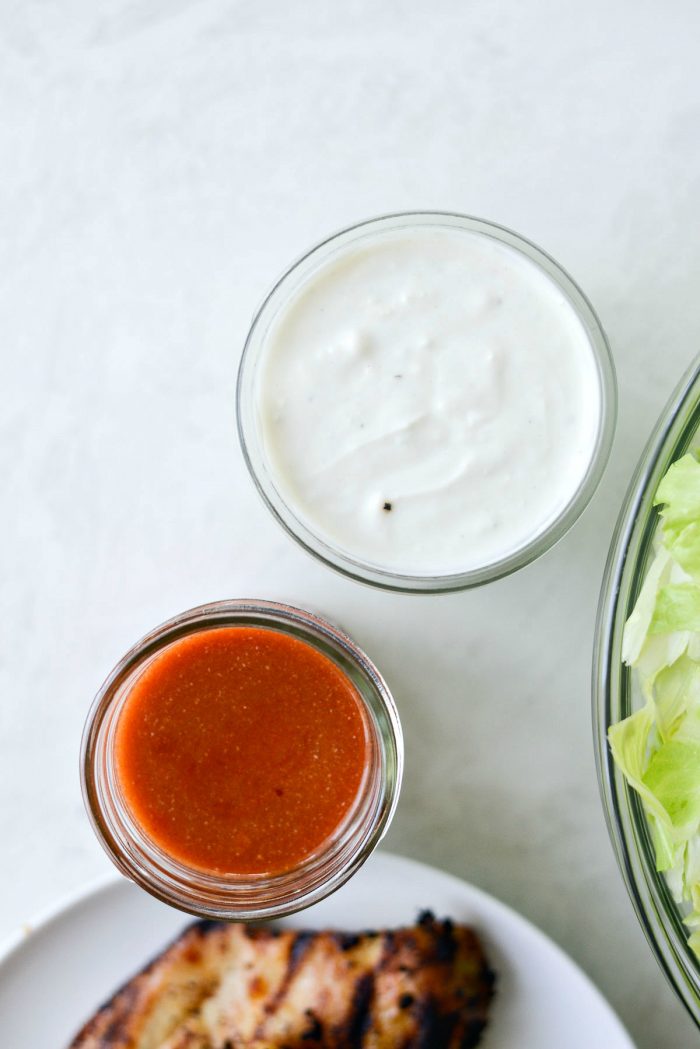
{"x":241,"y":750}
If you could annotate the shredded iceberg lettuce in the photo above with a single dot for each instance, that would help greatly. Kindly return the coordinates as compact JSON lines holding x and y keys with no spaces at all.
{"x":658,"y":747}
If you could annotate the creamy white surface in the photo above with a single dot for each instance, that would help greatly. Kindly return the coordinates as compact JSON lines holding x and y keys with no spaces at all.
{"x":436,"y":372}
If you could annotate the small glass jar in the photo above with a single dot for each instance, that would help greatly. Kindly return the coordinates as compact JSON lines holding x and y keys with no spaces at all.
{"x":243,"y":897}
{"x":252,"y":443}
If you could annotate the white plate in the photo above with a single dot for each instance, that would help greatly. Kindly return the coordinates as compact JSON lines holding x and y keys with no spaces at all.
{"x":53,"y":979}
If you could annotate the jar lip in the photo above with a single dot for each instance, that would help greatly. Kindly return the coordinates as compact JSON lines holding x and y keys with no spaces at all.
{"x":355,"y":567}
{"x":248,"y":897}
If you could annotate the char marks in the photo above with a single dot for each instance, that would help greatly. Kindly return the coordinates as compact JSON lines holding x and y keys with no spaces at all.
{"x":360,"y":1016}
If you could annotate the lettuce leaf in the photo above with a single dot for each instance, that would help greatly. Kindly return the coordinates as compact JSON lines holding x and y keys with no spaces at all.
{"x":685,"y":548}
{"x":677,"y":608}
{"x":639,"y":623}
{"x":657,"y":748}
{"x":629,"y":743}
{"x":678,"y":494}
{"x":673,"y":779}
{"x":677,"y":698}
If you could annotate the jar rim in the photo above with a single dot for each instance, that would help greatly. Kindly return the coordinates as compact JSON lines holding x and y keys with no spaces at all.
{"x":355,"y":567}
{"x":229,"y":896}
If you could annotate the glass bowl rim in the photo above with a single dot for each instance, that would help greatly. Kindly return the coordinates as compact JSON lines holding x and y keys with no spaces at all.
{"x":387,"y":579}
{"x":658,"y":915}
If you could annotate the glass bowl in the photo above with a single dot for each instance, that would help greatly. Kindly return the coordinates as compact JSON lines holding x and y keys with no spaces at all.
{"x":236,"y":897}
{"x":616,"y":695}
{"x":252,"y":443}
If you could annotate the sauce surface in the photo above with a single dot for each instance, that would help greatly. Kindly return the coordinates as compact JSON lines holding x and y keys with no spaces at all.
{"x":428,"y":400}
{"x":241,"y":750}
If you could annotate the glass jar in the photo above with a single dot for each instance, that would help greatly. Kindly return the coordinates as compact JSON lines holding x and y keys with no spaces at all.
{"x":231,"y":896}
{"x":252,"y":442}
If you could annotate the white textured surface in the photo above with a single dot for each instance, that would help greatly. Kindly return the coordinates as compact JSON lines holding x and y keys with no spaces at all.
{"x":160,"y":162}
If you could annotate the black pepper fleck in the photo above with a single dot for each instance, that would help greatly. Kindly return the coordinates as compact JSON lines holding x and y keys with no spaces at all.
{"x":387,"y":507}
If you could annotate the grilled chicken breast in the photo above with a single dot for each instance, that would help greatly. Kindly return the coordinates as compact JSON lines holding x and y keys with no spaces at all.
{"x":223,"y":986}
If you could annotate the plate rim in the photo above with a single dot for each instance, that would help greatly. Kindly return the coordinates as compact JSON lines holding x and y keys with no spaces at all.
{"x":40,"y":920}
{"x":13,"y":943}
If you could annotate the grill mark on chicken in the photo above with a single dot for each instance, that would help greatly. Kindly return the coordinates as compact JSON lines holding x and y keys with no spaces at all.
{"x":360,"y":1015}
{"x":434,"y":1028}
{"x":298,"y":949}
{"x":314,"y":1032}
{"x":300,"y":945}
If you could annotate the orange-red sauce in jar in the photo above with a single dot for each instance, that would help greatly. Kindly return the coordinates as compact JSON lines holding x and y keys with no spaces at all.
{"x":241,"y":750}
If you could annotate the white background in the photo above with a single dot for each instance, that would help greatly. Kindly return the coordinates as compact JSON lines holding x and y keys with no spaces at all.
{"x":160,"y":162}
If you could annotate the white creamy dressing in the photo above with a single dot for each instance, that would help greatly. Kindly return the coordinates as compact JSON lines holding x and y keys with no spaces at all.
{"x":428,"y":400}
